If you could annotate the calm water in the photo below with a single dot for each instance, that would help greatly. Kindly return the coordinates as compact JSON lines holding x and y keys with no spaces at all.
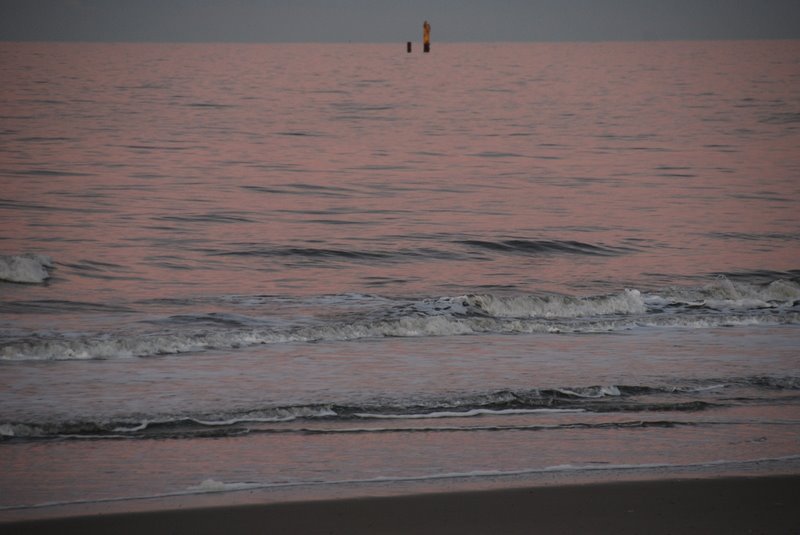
{"x":310,"y":270}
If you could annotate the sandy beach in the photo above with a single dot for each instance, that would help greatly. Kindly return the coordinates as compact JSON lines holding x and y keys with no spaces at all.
{"x":726,"y":505}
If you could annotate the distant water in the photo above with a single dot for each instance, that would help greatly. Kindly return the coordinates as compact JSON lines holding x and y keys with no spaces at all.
{"x":327,"y":269}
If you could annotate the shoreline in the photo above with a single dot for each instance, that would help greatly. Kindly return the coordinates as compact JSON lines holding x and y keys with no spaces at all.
{"x":758,"y":504}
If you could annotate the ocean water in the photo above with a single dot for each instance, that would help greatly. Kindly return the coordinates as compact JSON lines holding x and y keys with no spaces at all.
{"x":311,"y":270}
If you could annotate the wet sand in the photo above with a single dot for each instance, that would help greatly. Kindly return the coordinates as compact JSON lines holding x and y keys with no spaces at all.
{"x":768,"y":504}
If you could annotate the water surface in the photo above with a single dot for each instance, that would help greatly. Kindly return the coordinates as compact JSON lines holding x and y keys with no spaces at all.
{"x":322,"y":269}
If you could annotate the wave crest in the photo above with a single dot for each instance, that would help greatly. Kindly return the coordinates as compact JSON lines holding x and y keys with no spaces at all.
{"x":689,"y":395}
{"x":724,"y":293}
{"x":723,"y":303}
{"x":27,"y":268}
{"x":557,"y":306}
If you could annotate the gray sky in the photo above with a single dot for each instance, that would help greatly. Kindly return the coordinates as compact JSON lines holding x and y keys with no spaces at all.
{"x":396,"y":20}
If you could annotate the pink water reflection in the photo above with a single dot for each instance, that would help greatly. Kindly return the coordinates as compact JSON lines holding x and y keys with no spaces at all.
{"x":157,"y":161}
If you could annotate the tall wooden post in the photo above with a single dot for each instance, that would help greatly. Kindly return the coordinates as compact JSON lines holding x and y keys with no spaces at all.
{"x":426,"y":37}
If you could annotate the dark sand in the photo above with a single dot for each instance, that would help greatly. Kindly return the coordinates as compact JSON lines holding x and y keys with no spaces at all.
{"x":768,"y":504}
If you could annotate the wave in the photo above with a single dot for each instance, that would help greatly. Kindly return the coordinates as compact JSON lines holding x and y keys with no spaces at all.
{"x":725,"y":294}
{"x":399,"y":414}
{"x":532,"y":306}
{"x":462,"y":249}
{"x":723,"y":303}
{"x":28,"y":268}
{"x":108,"y":346}
{"x":313,"y":253}
{"x":521,"y":246}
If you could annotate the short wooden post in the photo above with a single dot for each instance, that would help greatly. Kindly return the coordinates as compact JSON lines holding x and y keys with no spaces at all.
{"x":408,"y":47}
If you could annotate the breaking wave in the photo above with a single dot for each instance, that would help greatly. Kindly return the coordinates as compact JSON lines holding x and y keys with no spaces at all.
{"x":28,"y":268}
{"x":723,"y":303}
{"x":107,"y":346}
{"x":533,"y":306}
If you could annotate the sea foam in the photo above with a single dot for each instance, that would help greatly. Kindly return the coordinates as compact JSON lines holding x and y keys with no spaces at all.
{"x":28,"y":268}
{"x":121,"y":345}
{"x":558,"y":306}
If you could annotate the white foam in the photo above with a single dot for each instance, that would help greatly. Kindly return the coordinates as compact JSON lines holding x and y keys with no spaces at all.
{"x":699,"y":389}
{"x":266,"y":416}
{"x":28,"y":268}
{"x":460,"y":414}
{"x":272,"y":416}
{"x":591,"y":392}
{"x":629,"y":301}
{"x":104,"y":346}
{"x":8,"y":430}
{"x":212,"y":485}
{"x":781,"y":290}
{"x":725,"y":294}
{"x":141,"y":427}
{"x":710,"y":322}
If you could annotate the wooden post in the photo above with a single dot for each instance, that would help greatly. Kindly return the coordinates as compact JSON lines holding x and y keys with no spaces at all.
{"x":408,"y":47}
{"x":426,"y":37}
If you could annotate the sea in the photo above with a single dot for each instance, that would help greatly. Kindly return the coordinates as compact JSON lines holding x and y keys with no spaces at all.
{"x":275,"y":272}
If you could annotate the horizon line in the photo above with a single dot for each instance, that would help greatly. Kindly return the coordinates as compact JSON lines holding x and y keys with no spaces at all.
{"x":356,"y":42}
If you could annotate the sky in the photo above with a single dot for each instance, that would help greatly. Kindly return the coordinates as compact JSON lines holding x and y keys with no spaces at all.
{"x":395,"y":20}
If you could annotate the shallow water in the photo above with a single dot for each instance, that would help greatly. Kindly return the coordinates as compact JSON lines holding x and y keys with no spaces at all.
{"x":292,"y":266}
